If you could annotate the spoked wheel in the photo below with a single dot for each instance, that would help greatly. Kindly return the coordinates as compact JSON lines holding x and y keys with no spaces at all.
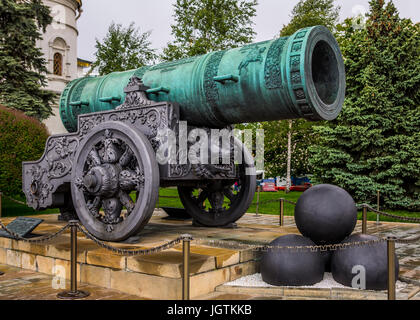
{"x":227,"y":201}
{"x":115,"y":181}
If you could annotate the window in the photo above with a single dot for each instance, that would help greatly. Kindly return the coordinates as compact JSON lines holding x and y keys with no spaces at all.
{"x":58,"y":64}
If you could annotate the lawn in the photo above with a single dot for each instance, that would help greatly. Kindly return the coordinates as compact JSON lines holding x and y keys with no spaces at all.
{"x":274,"y":207}
{"x":11,"y":209}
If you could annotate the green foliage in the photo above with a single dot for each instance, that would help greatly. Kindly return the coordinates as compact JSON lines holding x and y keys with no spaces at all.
{"x":374,"y":144}
{"x":275,"y":147}
{"x":22,"y":66}
{"x":22,"y":138}
{"x":202,"y":26}
{"x":123,"y":49}
{"x":309,"y":13}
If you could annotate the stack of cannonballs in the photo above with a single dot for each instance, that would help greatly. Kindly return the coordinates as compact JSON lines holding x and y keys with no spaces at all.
{"x":326,"y":214}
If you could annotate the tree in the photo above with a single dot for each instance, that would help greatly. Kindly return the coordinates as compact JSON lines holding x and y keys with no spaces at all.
{"x":202,"y":26}
{"x":297,"y":135}
{"x":309,"y":13}
{"x":123,"y":49}
{"x":22,"y":138}
{"x":22,"y":66}
{"x":276,"y":147}
{"x":374,"y":144}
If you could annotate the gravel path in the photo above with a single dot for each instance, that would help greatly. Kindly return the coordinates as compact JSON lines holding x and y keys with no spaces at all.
{"x":255,"y":280}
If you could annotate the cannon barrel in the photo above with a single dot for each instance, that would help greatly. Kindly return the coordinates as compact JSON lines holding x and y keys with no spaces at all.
{"x":301,"y":76}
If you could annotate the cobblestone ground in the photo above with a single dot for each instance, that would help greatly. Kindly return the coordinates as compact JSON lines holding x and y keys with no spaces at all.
{"x":23,"y":284}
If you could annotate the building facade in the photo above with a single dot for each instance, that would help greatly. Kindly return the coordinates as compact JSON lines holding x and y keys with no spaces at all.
{"x":59,"y":45}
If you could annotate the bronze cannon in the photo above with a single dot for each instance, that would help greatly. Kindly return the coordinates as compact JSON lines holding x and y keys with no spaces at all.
{"x":109,"y":167}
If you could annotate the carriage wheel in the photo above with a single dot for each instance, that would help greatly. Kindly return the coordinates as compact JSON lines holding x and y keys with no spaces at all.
{"x":227,"y":202}
{"x":115,"y":181}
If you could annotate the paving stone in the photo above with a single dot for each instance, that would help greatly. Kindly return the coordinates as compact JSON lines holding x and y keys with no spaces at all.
{"x":169,"y":263}
{"x":98,"y":276}
{"x":206,"y":282}
{"x":243,"y":269}
{"x":45,"y":264}
{"x":28,"y":261}
{"x":14,"y":258}
{"x":102,"y":257}
{"x":62,"y":268}
{"x":148,"y":286}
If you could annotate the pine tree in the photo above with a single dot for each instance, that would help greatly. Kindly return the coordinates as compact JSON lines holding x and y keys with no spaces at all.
{"x":309,"y":13}
{"x":123,"y":49}
{"x":374,"y":144}
{"x":22,"y":66}
{"x":202,"y":26}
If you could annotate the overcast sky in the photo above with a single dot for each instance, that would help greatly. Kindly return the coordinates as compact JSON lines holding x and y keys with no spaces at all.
{"x":156,"y":15}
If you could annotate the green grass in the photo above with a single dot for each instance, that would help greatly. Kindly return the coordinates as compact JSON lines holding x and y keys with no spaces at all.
{"x":12,"y":209}
{"x":273,"y":208}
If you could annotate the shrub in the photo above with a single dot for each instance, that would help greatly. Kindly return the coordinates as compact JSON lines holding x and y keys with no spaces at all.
{"x":22,"y":138}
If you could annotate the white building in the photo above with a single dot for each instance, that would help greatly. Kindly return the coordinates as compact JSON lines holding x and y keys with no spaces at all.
{"x":59,"y":45}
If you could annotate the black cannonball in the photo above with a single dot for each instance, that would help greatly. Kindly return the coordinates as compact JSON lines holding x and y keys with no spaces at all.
{"x":326,"y":214}
{"x":287,"y":267}
{"x":373,"y":258}
{"x":326,"y":257}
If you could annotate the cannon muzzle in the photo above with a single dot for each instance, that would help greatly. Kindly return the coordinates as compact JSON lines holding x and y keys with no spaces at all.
{"x":301,"y":76}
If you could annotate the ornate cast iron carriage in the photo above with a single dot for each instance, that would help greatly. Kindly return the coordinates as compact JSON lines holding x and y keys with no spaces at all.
{"x":106,"y":170}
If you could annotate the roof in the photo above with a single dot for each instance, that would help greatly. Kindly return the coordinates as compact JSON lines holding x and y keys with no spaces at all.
{"x":83,"y":63}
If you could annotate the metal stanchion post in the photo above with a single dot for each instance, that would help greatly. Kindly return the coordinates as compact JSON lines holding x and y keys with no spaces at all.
{"x":377,"y":207}
{"x":186,"y":268}
{"x":281,"y":212}
{"x":391,"y":267}
{"x":258,"y":200}
{"x":73,"y":293}
{"x":364,"y":220}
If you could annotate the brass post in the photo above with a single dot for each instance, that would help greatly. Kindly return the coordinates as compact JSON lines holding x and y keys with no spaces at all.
{"x":391,"y":267}
{"x":73,"y":293}
{"x":364,"y":220}
{"x":281,"y":212}
{"x":186,"y":268}
{"x":377,"y":207}
{"x":258,"y":200}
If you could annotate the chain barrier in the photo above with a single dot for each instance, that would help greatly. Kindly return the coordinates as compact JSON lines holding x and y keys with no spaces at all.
{"x":256,"y":247}
{"x":390,"y":215}
{"x":274,"y":200}
{"x":133,"y":252}
{"x":407,"y":240}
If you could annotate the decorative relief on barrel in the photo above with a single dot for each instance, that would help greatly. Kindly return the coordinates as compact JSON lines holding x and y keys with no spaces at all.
{"x":254,"y":55}
{"x":210,"y":86}
{"x":272,"y":68}
{"x":296,"y":75}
